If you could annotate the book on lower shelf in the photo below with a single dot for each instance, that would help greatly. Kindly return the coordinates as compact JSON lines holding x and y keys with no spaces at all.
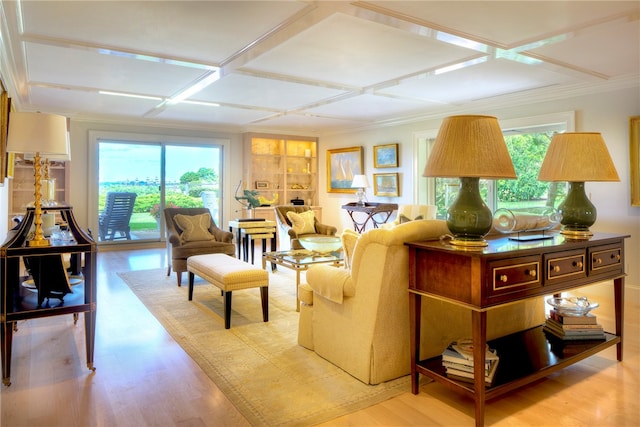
{"x":568,"y":319}
{"x":457,"y":360}
{"x":574,"y":331}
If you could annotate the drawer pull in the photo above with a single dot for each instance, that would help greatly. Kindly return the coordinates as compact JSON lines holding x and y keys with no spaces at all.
{"x":598,"y":260}
{"x":503,"y":278}
{"x":532,"y":273}
{"x":577,"y":264}
{"x":556,"y":268}
{"x":617,"y":257}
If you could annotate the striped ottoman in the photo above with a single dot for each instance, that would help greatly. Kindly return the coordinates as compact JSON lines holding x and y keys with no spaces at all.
{"x":229,"y":274}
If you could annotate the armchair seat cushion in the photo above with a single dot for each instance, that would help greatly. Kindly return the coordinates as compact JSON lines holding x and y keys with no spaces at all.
{"x":188,"y":249}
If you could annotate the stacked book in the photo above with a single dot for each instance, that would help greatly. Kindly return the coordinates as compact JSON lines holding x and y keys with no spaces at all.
{"x":457,"y":360}
{"x":573,"y":327}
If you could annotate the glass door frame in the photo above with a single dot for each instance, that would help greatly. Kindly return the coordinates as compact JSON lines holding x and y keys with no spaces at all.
{"x":129,"y":137}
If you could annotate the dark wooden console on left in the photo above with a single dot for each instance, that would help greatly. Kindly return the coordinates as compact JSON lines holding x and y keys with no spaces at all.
{"x":49,"y":295}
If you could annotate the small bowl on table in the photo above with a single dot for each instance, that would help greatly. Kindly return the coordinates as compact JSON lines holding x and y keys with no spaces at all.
{"x":321,"y":244}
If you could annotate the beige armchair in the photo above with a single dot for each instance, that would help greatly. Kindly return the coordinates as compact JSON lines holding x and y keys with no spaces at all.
{"x":358,"y":319}
{"x":289,"y":233}
{"x":193,"y":237}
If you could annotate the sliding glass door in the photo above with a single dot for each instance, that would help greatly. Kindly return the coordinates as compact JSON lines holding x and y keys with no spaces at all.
{"x":158,"y":175}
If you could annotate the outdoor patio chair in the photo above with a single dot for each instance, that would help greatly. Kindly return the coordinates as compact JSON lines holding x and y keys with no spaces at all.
{"x":115,"y":218}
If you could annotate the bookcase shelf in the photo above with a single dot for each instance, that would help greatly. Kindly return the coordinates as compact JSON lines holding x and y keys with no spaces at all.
{"x":281,"y":164}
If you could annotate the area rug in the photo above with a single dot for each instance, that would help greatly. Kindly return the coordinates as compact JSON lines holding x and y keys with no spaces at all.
{"x":258,"y":365}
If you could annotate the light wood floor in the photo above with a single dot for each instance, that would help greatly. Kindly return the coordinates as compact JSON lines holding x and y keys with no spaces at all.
{"x":144,"y":378}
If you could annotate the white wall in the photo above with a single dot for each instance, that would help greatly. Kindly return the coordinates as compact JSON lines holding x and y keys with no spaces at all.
{"x":607,"y":113}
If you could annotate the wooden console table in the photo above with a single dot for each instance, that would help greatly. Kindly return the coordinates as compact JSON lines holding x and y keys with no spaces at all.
{"x":370,"y":209}
{"x":504,"y":272}
{"x":18,"y":303}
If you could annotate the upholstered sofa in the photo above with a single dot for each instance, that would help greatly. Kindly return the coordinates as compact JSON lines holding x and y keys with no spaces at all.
{"x":358,"y":317}
{"x":289,"y":232}
{"x":180,"y":246}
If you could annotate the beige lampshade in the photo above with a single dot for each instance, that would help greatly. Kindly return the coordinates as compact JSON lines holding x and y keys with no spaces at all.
{"x":37,"y":133}
{"x":470,"y":146}
{"x":360,"y":181}
{"x":578,"y":157}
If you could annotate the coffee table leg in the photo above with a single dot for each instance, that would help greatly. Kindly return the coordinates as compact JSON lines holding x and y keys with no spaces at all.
{"x":297,"y":287}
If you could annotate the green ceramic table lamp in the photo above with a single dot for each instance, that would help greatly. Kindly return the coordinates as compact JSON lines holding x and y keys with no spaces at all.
{"x":469,"y":147}
{"x":577,"y":157}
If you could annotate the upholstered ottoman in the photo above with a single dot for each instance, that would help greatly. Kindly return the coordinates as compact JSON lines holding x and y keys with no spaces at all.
{"x":229,"y":274}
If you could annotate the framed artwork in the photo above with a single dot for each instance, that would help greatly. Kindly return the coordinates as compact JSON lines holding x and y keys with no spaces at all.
{"x":262,"y":185}
{"x":385,"y":156}
{"x":634,"y":157}
{"x":342,"y":165}
{"x":5,"y":107}
{"x":385,"y":184}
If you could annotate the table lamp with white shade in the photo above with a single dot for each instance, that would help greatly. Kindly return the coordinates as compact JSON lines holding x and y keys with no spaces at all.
{"x":577,"y":157}
{"x":360,"y":182}
{"x":48,"y":183}
{"x":38,"y":134}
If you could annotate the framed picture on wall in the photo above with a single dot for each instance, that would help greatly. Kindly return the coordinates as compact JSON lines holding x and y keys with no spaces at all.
{"x":634,"y":157}
{"x":386,"y":184}
{"x":385,"y":156}
{"x":5,"y":107}
{"x":342,"y":165}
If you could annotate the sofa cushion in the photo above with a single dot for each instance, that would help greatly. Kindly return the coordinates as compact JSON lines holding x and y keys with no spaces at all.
{"x":302,"y":223}
{"x":194,"y":227}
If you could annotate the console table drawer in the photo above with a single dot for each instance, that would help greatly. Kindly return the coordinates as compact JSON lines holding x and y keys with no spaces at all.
{"x":605,"y":258}
{"x":515,"y":275}
{"x":566,"y":265}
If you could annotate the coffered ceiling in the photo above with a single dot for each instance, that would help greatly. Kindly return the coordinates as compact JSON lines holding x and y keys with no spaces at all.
{"x":303,"y":66}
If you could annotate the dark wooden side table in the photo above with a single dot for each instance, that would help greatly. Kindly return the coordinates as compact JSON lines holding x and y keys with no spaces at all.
{"x":370,"y":210}
{"x":502,"y":273}
{"x":20,"y":303}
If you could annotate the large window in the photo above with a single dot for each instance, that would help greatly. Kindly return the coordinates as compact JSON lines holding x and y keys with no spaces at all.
{"x":160,"y":174}
{"x":527,"y":141}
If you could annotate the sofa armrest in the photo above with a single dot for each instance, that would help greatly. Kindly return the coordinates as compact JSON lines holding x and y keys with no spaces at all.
{"x":330,"y":282}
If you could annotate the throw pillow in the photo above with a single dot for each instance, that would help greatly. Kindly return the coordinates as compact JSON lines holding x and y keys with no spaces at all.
{"x":302,"y":223}
{"x":194,"y":227}
{"x":404,"y":218}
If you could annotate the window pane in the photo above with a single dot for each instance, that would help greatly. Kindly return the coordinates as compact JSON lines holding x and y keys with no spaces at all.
{"x":527,"y":152}
{"x":193,"y":177}
{"x":129,"y":168}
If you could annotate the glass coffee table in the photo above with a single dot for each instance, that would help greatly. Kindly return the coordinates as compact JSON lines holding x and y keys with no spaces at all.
{"x":300,"y":260}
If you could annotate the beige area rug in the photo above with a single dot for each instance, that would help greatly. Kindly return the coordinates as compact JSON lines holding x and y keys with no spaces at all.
{"x":259,"y":366}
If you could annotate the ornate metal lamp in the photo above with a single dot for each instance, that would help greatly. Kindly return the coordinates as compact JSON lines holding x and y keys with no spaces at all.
{"x":469,"y":147}
{"x":37,"y":133}
{"x":577,"y":157}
